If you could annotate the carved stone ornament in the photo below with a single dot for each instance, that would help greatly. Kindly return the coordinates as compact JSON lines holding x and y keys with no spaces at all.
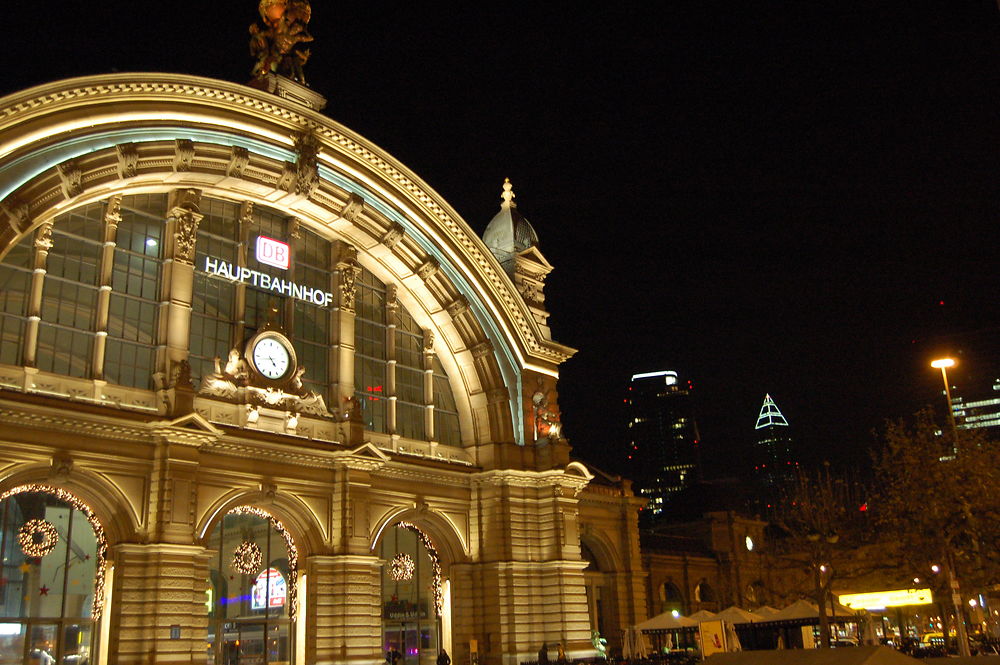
{"x":392,"y":236}
{"x":184,"y":155}
{"x":391,"y":298}
{"x":238,"y":161}
{"x":428,"y":269}
{"x":43,"y":237}
{"x":293,"y":228}
{"x":185,"y":234}
{"x":286,"y":181}
{"x":181,"y":375}
{"x":353,"y":208}
{"x":458,"y":307}
{"x":128,"y":160}
{"x":18,"y":216}
{"x":428,"y":341}
{"x":246,"y":214}
{"x":113,"y":213}
{"x":348,"y":284}
{"x":482,"y":349}
{"x":233,"y":382}
{"x":70,"y":178}
{"x":306,"y":166}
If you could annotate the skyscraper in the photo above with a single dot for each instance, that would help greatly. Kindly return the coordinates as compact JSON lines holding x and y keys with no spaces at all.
{"x":662,"y":436}
{"x":774,"y":459}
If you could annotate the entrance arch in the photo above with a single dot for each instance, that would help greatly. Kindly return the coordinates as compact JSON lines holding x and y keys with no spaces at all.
{"x":416,"y":616}
{"x":252,"y":590}
{"x":53,"y":551}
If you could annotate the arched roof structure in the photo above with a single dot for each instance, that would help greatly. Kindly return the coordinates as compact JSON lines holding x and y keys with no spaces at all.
{"x":80,"y":140}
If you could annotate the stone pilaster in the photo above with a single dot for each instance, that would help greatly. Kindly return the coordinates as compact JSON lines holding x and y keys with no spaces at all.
{"x":157,"y":587}
{"x":527,"y":588}
{"x":178,"y":273}
{"x":343,"y":610}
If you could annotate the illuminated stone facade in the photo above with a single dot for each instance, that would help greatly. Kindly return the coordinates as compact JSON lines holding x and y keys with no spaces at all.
{"x":418,"y":395}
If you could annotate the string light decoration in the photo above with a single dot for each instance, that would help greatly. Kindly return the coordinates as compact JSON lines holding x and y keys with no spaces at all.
{"x":37,"y":538}
{"x":402,"y":568}
{"x":247,"y":558}
{"x":95,"y":524}
{"x":293,"y":552}
{"x":436,"y":582}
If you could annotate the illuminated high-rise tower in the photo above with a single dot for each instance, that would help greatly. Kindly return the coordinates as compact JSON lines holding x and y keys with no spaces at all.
{"x":662,"y":454}
{"x":775,"y":465}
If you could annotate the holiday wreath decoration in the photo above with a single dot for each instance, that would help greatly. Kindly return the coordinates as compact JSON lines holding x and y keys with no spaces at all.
{"x":37,"y":538}
{"x":402,"y":568}
{"x":247,"y":558}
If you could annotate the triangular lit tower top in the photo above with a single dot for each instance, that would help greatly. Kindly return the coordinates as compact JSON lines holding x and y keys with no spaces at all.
{"x":770,"y":415}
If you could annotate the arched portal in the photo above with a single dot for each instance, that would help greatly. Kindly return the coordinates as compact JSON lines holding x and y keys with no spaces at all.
{"x":414,"y":597}
{"x":53,"y":552}
{"x":251,"y":597}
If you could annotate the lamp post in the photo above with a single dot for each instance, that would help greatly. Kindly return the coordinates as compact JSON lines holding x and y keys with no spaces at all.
{"x":943,"y":364}
{"x":963,"y":641}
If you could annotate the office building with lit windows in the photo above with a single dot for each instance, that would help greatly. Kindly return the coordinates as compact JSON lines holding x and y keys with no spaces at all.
{"x":662,"y":450}
{"x":265,"y":397}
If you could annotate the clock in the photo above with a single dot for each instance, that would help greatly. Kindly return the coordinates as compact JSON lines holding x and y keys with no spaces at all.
{"x":749,"y":544}
{"x":271,"y":355}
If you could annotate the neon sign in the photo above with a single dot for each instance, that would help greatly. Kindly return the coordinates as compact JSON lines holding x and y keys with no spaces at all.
{"x":273,"y":252}
{"x":269,"y":590}
{"x":267,"y":282}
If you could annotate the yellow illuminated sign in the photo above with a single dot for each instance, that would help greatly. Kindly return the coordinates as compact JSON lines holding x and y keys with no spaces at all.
{"x":879,"y":600}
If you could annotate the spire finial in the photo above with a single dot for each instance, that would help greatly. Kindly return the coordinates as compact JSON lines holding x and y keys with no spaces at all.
{"x":508,"y":194}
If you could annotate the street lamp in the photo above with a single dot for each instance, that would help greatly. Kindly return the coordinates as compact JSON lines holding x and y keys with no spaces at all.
{"x":943,"y":364}
{"x":963,"y":641}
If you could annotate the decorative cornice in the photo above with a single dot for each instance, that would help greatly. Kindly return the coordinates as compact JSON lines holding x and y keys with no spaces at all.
{"x":76,"y":424}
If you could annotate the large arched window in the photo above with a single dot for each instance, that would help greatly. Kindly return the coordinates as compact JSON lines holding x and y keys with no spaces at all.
{"x":252,"y":595}
{"x":98,"y":274}
{"x":51,"y":585}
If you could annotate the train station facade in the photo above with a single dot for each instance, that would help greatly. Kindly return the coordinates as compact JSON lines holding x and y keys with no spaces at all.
{"x":266,"y":398}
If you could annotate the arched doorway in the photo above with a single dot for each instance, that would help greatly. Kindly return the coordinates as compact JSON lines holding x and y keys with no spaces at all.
{"x":598,"y":591}
{"x":670,"y":598}
{"x":53,"y":551}
{"x":252,"y":590}
{"x":413,"y":596}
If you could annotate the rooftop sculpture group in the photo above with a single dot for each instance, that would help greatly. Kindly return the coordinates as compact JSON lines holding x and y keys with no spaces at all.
{"x":277,"y":41}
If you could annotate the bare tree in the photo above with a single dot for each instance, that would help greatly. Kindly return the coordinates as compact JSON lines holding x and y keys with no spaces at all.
{"x":938,"y":502}
{"x":823,"y":528}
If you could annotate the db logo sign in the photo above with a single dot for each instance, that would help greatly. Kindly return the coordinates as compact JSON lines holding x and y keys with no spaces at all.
{"x":273,"y":252}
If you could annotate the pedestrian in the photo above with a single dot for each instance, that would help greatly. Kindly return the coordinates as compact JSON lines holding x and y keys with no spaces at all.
{"x":443,"y":658}
{"x":543,"y":655}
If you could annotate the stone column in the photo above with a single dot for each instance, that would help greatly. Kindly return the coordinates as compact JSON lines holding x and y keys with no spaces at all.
{"x":43,"y":243}
{"x":428,"y":360}
{"x":346,"y":271}
{"x":112,"y":217}
{"x":391,"y":316}
{"x":344,"y":609}
{"x":157,"y":589}
{"x":178,"y":273}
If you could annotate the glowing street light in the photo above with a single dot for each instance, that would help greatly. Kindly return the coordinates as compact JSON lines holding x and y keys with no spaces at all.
{"x":943,"y":364}
{"x":963,"y":642}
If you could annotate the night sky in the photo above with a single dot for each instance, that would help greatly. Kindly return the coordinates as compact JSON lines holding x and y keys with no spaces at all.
{"x":789,"y":198}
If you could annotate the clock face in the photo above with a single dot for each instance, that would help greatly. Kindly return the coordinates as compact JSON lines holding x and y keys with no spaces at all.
{"x":271,"y":358}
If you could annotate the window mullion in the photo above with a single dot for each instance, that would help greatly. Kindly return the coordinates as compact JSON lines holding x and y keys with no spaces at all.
{"x":391,"y":316}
